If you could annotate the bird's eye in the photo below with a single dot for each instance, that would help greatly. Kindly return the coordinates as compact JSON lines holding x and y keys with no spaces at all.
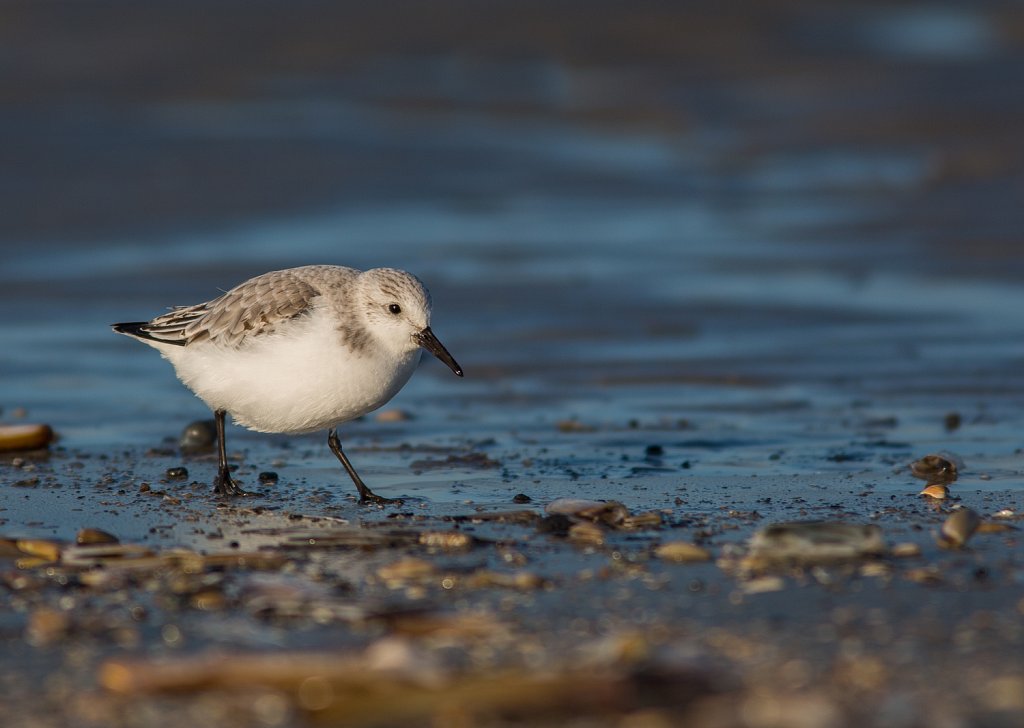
{"x":395,"y":308}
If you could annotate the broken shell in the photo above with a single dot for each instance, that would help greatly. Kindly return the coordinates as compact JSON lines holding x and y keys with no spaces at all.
{"x":49,"y":550}
{"x":25,"y":437}
{"x":612,"y":513}
{"x":91,"y":536}
{"x":935,"y":490}
{"x":941,"y":467}
{"x":958,"y":528}
{"x":681,"y":552}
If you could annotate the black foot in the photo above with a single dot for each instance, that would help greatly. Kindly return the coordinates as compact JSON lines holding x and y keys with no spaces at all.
{"x":366,"y":496}
{"x":223,"y":484}
{"x":369,"y":498}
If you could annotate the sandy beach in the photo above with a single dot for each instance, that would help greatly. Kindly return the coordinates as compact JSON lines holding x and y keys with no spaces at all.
{"x":718,"y":279}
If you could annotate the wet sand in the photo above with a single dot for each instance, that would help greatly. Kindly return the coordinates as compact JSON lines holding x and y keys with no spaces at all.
{"x":727,"y":269}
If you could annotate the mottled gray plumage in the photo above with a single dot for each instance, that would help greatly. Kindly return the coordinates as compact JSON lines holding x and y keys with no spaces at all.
{"x":261,"y":304}
{"x":299,"y":350}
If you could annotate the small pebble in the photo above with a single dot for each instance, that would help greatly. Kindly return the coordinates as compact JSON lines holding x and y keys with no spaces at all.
{"x":25,"y":437}
{"x":268,"y":477}
{"x":521,"y":498}
{"x":178,"y":473}
{"x":199,"y":436}
{"x":940,"y":467}
{"x":653,"y":451}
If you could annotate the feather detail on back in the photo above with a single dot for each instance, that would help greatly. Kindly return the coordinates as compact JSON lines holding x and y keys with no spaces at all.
{"x":250,"y":309}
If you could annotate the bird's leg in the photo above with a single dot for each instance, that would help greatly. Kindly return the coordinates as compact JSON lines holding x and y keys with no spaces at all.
{"x":365,"y":494}
{"x":223,"y":484}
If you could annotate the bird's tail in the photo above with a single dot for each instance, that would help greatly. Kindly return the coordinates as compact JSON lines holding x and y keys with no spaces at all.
{"x":133,"y":328}
{"x":140,"y":330}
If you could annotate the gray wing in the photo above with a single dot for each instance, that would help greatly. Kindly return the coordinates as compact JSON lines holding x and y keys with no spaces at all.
{"x":249,"y":309}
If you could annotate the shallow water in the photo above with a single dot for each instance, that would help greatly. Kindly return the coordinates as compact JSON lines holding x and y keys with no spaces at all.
{"x":713,"y":262}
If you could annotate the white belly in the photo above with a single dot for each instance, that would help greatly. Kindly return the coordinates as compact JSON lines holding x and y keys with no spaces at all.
{"x":300,"y":381}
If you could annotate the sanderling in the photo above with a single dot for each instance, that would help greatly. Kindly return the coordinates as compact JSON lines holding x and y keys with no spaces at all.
{"x":299,"y":350}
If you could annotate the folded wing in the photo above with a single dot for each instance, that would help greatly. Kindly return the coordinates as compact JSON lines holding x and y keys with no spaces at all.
{"x":250,"y":309}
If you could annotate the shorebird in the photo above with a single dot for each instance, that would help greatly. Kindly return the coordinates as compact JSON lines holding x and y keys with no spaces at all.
{"x":298,"y":350}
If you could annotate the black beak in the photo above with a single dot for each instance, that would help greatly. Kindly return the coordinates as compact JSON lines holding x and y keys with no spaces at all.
{"x":428,"y":341}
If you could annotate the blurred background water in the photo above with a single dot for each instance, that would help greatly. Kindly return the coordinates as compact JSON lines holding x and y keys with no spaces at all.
{"x":762,"y":219}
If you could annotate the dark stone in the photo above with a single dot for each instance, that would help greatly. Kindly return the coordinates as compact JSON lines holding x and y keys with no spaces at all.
{"x":198,"y":437}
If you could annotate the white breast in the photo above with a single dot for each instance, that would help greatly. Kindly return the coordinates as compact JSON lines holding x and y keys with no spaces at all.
{"x":300,"y":378}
